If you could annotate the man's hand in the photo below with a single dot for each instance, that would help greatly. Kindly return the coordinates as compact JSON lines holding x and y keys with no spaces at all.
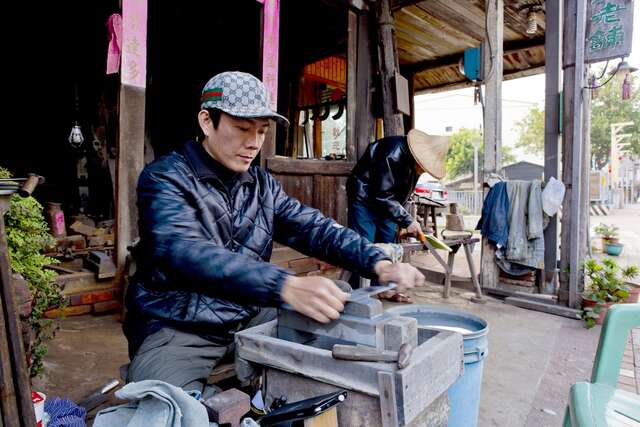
{"x":315,"y":297}
{"x":414,"y":228}
{"x":404,"y":275}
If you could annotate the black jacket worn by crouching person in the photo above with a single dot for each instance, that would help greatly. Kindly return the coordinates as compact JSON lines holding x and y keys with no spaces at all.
{"x":384,"y":178}
{"x":205,"y":242}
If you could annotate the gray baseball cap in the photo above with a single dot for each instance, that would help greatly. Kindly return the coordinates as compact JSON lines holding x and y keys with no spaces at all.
{"x":240,"y":95}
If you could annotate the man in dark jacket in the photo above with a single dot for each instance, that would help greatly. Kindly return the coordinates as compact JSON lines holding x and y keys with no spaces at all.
{"x":383,"y":179}
{"x":207,"y":224}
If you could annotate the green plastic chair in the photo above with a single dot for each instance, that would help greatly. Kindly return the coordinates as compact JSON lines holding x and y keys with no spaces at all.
{"x":598,"y":403}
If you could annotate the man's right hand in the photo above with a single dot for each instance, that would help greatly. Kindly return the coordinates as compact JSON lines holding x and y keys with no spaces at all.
{"x":314,"y":296}
{"x":414,"y":228}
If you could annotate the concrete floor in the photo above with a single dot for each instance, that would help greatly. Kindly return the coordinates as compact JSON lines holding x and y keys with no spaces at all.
{"x":533,"y":357}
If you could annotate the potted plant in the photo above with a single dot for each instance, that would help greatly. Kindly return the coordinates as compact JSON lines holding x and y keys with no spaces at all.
{"x":610,"y":242}
{"x":606,"y":285}
{"x":27,"y":236}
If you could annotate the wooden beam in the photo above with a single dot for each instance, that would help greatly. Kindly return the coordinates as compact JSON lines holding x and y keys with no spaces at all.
{"x":492,"y":59}
{"x":467,"y":83}
{"x":573,"y":58}
{"x":545,"y":307}
{"x":365,"y":120}
{"x":553,"y":17}
{"x":400,"y":4}
{"x":352,"y":100}
{"x":309,"y":166}
{"x":508,"y":47}
{"x":388,"y":66}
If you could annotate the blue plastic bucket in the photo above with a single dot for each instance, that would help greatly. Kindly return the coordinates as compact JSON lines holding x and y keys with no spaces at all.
{"x":464,"y":394}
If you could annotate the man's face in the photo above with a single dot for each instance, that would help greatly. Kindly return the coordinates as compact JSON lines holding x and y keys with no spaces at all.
{"x":236,"y":142}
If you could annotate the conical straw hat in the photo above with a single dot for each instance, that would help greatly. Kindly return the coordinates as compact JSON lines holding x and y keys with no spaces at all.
{"x":429,"y":151}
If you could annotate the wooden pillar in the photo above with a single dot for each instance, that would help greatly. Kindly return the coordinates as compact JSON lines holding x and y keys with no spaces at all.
{"x":388,"y":65}
{"x":573,"y":65}
{"x":492,"y":51}
{"x":130,"y":160}
{"x":365,"y":120}
{"x":552,"y":42}
{"x":16,"y":408}
{"x":585,"y":167}
{"x":352,"y":101}
{"x":269,"y":58}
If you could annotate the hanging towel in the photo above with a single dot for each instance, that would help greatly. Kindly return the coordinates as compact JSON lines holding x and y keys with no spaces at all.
{"x":114,"y":27}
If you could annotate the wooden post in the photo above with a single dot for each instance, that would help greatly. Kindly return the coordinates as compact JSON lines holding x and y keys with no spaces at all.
{"x":388,"y":65}
{"x":492,"y":51}
{"x":352,"y":101}
{"x":585,"y":173}
{"x":552,"y":41}
{"x":130,"y":160}
{"x":365,"y":121}
{"x":573,"y":65}
{"x":16,"y":408}
{"x":270,"y":15}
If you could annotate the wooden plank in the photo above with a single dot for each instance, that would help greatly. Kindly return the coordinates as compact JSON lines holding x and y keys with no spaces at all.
{"x":387,"y":67}
{"x":341,"y":201}
{"x":269,"y":146}
{"x":352,"y":101}
{"x":388,"y":404}
{"x":558,"y":310}
{"x":326,"y":419}
{"x":553,"y":17}
{"x":16,"y":399}
{"x":493,"y":122}
{"x":435,"y":366}
{"x":309,"y":166}
{"x":365,"y":121}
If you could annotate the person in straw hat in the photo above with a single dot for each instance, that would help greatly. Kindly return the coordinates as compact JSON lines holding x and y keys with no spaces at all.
{"x":383,"y":179}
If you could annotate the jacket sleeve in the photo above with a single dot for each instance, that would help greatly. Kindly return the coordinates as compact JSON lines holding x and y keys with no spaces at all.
{"x":310,"y":232}
{"x":384,"y":178}
{"x":181,"y":246}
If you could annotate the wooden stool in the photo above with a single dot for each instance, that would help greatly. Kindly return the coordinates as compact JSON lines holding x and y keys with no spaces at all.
{"x":455,"y":244}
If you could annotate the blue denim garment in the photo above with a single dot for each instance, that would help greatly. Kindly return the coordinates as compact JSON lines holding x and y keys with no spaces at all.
{"x":494,"y":222}
{"x":372,"y":227}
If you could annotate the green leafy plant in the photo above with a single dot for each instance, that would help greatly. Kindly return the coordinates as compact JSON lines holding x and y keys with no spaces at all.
{"x":27,"y":236}
{"x":606,"y":284}
{"x":607,"y":232}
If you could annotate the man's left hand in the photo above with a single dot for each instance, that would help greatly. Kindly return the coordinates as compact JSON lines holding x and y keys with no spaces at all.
{"x":404,"y":275}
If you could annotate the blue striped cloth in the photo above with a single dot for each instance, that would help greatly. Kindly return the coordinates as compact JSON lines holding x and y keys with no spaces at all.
{"x":64,"y":413}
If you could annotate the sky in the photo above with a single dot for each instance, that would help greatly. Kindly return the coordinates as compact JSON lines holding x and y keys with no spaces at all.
{"x":436,"y":112}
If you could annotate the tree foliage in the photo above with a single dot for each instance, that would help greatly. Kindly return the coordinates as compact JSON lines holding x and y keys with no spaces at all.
{"x":607,"y":107}
{"x":531,"y":131}
{"x":27,"y":236}
{"x":460,"y":155}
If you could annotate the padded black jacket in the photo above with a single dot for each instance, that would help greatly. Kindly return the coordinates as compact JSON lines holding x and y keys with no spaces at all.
{"x":384,"y":178}
{"x":203,"y":257}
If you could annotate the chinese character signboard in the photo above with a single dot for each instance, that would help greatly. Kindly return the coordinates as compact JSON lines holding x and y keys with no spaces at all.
{"x":609,"y":29}
{"x":134,"y":43}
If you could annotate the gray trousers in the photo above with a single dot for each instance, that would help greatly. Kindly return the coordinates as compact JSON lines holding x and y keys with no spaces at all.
{"x":185,"y":360}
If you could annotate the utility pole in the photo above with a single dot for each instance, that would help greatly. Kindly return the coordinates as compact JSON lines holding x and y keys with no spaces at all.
{"x":616,"y":138}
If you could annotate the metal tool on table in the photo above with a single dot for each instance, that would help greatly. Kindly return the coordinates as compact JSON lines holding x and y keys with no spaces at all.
{"x":99,"y":396}
{"x":370,"y":291}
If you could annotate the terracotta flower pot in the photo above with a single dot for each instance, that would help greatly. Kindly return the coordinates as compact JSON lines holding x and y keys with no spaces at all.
{"x":634,"y":293}
{"x":604,"y":307}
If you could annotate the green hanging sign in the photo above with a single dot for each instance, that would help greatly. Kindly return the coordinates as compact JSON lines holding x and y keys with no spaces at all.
{"x":609,"y":29}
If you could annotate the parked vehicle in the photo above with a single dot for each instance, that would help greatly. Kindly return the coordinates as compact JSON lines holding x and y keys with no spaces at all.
{"x":431,"y":188}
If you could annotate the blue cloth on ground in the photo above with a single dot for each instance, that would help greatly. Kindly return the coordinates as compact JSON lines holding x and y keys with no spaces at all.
{"x":64,"y":413}
{"x":154,"y":403}
{"x":494,"y":222}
